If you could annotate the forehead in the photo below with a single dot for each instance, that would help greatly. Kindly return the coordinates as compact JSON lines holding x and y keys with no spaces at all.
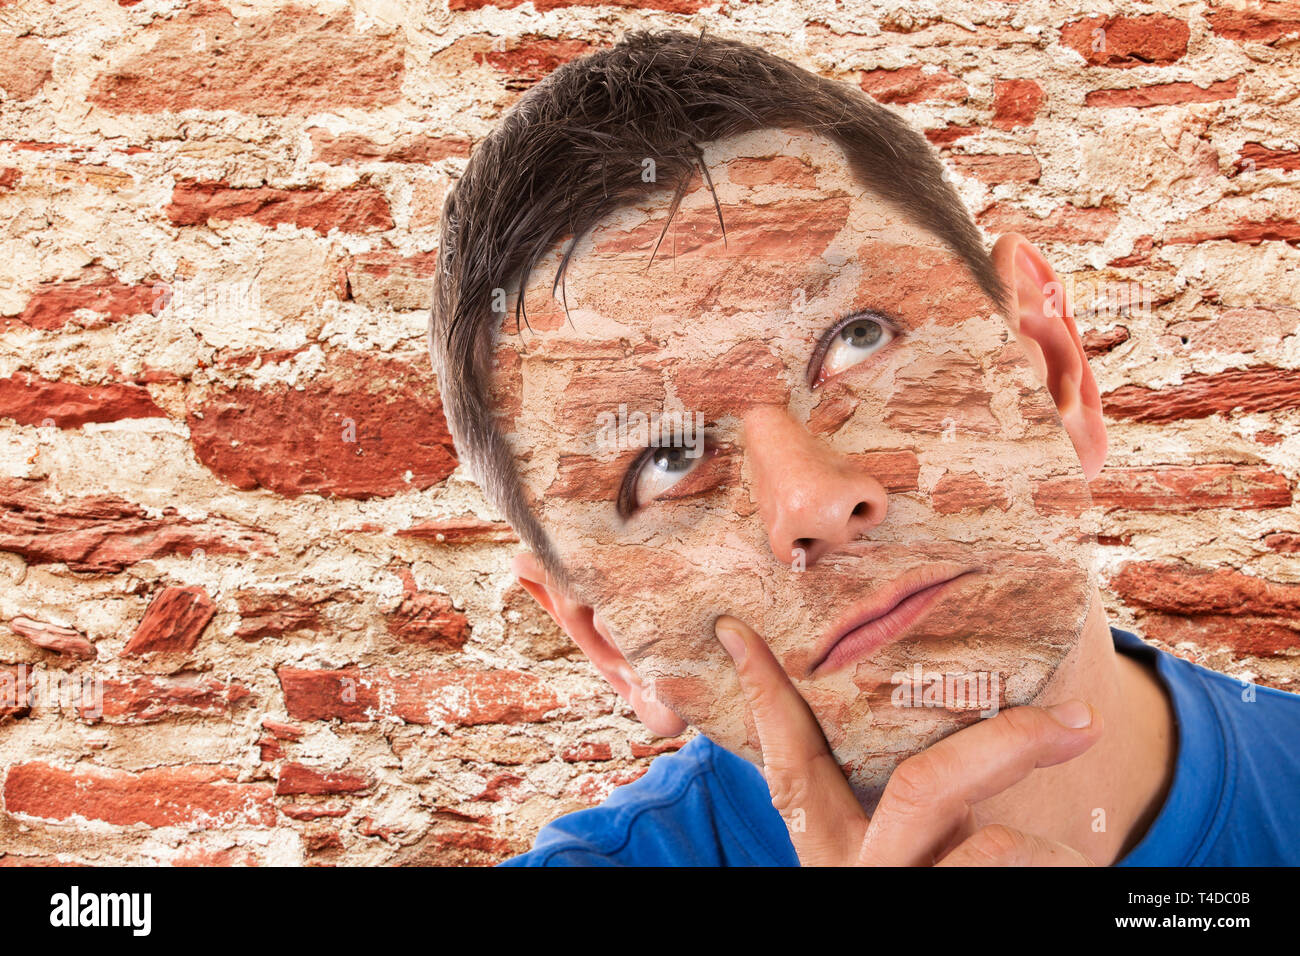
{"x":791,"y":226}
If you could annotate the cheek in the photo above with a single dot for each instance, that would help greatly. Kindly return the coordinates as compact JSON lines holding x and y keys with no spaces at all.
{"x":660,"y":607}
{"x":961,"y":432}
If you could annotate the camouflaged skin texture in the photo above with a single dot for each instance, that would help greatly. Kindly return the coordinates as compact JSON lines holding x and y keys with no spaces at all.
{"x":946,"y":435}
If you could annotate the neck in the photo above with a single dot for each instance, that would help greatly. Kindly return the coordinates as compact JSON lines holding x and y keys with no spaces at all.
{"x":1103,"y":801}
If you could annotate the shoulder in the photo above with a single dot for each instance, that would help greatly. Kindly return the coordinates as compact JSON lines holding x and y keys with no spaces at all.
{"x":1234,"y":797}
{"x":686,"y":810}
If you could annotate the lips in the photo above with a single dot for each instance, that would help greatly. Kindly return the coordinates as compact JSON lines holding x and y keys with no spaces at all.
{"x":884,"y":615}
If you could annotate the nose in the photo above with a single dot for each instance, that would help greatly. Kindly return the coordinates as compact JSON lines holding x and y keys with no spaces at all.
{"x":811,"y":498}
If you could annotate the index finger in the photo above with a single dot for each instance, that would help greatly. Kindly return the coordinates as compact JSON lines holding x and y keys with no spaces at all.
{"x":809,"y":790}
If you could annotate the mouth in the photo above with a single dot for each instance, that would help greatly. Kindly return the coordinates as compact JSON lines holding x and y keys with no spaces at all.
{"x":884,"y":615}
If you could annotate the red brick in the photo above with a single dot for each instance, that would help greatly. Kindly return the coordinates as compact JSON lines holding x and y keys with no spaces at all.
{"x":1128,"y":41}
{"x":231,"y":856}
{"x":98,"y":291}
{"x":454,"y":840}
{"x":355,"y":209}
{"x":1284,"y":542}
{"x":947,"y":135}
{"x":1162,"y":94}
{"x":753,"y":232}
{"x":588,"y":751}
{"x":16,"y":692}
{"x":529,"y":58}
{"x":25,"y":64}
{"x":173,"y":622}
{"x":1068,"y":223}
{"x":294,"y":778}
{"x":288,"y":61}
{"x":458,"y":531}
{"x":911,"y":84}
{"x":367,"y":827}
{"x":657,"y":747}
{"x":274,"y":614}
{"x":954,"y":493}
{"x":1016,"y":103}
{"x":388,"y":280}
{"x":1210,"y":225}
{"x":418,"y":148}
{"x":896,"y":470}
{"x":53,"y":637}
{"x":745,"y":375}
{"x":595,"y":788}
{"x":314,"y":812}
{"x":107,"y":533}
{"x":541,"y":6}
{"x":1181,"y":488}
{"x":1244,"y":635}
{"x":321,"y":840}
{"x":298,"y":441}
{"x":427,"y":618}
{"x":1260,"y":388}
{"x":499,"y":787}
{"x":1100,"y":341}
{"x":1261,"y":22}
{"x":937,"y":389}
{"x":282,"y":731}
{"x":197,"y":796}
{"x":459,"y":697}
{"x":994,"y":168}
{"x":269,"y":749}
{"x":1181,"y":588}
{"x":30,"y":400}
{"x":1255,"y":156}
{"x":148,"y":699}
{"x":793,"y":171}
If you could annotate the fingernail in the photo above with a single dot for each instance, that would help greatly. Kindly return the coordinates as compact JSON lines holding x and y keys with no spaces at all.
{"x":1074,"y":714}
{"x":730,"y":637}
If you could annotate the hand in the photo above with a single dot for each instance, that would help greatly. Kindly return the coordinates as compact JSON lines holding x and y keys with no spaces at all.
{"x":924,"y":817}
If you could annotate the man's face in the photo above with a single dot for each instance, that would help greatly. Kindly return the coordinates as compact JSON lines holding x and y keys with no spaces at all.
{"x":871,"y":426}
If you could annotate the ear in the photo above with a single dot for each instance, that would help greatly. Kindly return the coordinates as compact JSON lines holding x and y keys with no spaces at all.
{"x":590,"y":633}
{"x":1043,"y":320}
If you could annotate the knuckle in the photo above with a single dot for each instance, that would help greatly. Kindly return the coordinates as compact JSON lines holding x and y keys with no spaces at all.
{"x":917,"y":782}
{"x":1023,"y":723}
{"x":788,"y":788}
{"x":762,"y":696}
{"x":997,"y":844}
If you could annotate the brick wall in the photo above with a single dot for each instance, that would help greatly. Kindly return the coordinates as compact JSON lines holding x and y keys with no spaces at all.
{"x":228,"y":493}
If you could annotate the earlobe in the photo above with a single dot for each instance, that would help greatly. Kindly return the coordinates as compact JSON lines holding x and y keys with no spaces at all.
{"x":1042,"y":319}
{"x":593,"y":638}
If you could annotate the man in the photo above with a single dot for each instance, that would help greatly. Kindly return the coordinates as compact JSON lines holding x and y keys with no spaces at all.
{"x":803,"y":465}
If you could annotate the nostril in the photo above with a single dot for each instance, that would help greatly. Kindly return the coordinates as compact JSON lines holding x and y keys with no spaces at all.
{"x":803,"y":544}
{"x":860,"y":509}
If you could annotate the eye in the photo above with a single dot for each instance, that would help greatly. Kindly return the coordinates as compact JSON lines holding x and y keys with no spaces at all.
{"x":659,"y":470}
{"x":854,"y":340}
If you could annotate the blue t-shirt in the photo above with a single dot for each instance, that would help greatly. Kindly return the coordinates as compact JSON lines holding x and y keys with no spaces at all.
{"x":1234,"y":800}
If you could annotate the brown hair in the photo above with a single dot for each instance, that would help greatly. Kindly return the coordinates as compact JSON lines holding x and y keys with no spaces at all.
{"x":570,"y":152}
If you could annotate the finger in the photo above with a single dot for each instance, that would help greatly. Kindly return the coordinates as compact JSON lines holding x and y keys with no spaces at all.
{"x":809,"y":790}
{"x":998,"y":845}
{"x":926,"y":805}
